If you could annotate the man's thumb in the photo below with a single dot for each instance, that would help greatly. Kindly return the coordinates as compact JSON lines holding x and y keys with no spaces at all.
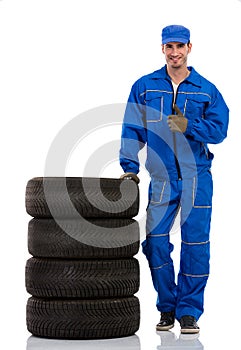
{"x":177,"y":110}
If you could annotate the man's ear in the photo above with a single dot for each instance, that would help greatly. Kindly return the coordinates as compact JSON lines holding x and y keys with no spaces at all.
{"x":189,"y":47}
{"x":163,"y":49}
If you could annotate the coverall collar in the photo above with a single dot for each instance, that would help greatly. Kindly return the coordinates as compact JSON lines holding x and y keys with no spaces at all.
{"x":193,"y":77}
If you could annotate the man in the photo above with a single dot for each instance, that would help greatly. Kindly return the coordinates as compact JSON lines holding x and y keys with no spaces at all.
{"x":176,"y":113}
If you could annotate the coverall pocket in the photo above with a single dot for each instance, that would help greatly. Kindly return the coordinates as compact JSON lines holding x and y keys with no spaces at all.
{"x":154,"y":106}
{"x":159,"y":192}
{"x":195,"y":259}
{"x":202,"y":190}
{"x":196,"y":105}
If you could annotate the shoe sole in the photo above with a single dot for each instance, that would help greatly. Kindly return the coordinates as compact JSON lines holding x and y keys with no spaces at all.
{"x":190,"y":331}
{"x":188,"y":337}
{"x":166,"y":328}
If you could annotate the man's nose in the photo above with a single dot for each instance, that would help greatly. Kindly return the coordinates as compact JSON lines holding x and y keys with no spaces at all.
{"x":174,"y":52}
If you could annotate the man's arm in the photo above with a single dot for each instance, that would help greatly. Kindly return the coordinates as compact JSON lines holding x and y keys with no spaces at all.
{"x":133,"y":136}
{"x":213,"y":127}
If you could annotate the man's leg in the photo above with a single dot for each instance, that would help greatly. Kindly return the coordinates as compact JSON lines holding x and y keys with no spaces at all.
{"x":195,"y":247}
{"x":161,"y":213}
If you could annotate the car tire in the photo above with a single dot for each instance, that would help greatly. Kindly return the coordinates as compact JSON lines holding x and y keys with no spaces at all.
{"x":83,"y":319}
{"x":78,"y":239}
{"x":82,"y":279}
{"x":71,"y":197}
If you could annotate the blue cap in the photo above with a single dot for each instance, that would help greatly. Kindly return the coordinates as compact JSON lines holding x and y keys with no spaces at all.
{"x":175,"y":33}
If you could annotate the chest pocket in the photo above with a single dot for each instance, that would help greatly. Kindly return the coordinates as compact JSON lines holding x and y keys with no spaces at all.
{"x":196,"y":105}
{"x":154,"y":106}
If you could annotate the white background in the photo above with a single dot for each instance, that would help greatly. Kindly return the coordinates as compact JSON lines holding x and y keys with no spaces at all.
{"x":60,"y":58}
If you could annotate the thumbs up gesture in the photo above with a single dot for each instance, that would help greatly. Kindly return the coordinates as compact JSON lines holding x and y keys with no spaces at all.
{"x":177,"y":122}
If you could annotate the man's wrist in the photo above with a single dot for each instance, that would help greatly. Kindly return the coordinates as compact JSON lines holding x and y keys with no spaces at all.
{"x":130,"y":176}
{"x":189,"y":127}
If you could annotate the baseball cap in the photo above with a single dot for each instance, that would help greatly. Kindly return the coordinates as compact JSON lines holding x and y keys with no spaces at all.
{"x":175,"y":33}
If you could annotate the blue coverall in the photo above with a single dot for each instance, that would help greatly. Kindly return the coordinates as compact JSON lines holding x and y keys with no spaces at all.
{"x":179,"y":166}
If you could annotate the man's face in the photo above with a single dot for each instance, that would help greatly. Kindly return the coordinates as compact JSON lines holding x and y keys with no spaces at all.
{"x":176,"y":54}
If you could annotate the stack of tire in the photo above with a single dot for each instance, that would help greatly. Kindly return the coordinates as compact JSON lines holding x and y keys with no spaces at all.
{"x":82,"y":275}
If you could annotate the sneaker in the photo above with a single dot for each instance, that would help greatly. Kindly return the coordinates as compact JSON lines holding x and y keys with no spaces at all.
{"x":166,"y":322}
{"x":189,"y":325}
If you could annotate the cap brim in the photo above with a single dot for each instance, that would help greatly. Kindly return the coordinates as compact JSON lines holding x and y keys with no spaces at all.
{"x":175,"y":40}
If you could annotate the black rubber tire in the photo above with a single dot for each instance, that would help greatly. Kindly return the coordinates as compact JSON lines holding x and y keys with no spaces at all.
{"x":69,"y":197}
{"x":82,"y":279}
{"x":83,"y":319}
{"x":75,"y":239}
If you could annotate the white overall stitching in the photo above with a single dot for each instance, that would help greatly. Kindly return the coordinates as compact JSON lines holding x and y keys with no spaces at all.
{"x":185,"y":106}
{"x":167,"y":92}
{"x":189,"y":275}
{"x":159,"y":267}
{"x":195,"y":243}
{"x":195,"y":93}
{"x":159,"y":235}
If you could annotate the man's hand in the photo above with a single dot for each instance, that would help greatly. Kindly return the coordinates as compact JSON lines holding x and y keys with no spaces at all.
{"x":177,"y":122}
{"x":130,"y":176}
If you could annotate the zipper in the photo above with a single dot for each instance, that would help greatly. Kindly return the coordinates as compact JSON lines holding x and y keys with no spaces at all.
{"x":174,"y":136}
